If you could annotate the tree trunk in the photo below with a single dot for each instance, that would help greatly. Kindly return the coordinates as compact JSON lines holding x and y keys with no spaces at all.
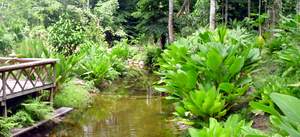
{"x":226,"y":12}
{"x":212,"y":14}
{"x":185,"y":8}
{"x":170,"y":21}
{"x":259,"y":13}
{"x":298,"y":7}
{"x":277,"y":10}
{"x":249,"y":8}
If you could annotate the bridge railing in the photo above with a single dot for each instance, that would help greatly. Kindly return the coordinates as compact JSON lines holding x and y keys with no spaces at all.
{"x":22,"y":76}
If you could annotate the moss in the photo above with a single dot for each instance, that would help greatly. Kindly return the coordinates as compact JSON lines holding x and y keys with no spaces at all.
{"x":72,"y":95}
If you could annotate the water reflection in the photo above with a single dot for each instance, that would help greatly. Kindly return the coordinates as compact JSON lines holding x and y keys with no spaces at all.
{"x":137,"y":114}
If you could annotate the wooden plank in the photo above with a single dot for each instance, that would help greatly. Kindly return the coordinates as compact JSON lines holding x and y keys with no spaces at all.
{"x":27,"y":91}
{"x":27,"y":65}
{"x":22,"y":60}
{"x":57,"y":113}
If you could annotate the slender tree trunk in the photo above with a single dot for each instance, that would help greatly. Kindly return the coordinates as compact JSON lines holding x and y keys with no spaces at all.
{"x":298,"y":7}
{"x":277,"y":10}
{"x":185,"y":8}
{"x":259,"y":13}
{"x":87,"y":4}
{"x":226,"y":12}
{"x":212,"y":14}
{"x":170,"y":21}
{"x":249,"y":8}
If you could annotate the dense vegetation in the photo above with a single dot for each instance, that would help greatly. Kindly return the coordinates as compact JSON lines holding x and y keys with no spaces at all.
{"x":223,"y":63}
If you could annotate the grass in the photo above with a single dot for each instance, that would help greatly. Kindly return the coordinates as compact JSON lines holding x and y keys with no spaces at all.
{"x":72,"y":95}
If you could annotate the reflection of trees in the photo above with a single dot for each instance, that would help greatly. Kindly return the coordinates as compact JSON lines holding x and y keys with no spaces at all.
{"x":116,"y":116}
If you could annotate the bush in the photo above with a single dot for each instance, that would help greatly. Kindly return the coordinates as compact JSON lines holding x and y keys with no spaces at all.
{"x":31,"y":48}
{"x":37,"y":110}
{"x":65,"y":68}
{"x":66,"y":35}
{"x":22,"y":118}
{"x":202,"y":104}
{"x":5,"y":127}
{"x":72,"y":95}
{"x":233,"y":127}
{"x":287,"y":122}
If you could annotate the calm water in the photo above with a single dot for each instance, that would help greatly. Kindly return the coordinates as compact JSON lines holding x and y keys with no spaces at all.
{"x":128,"y":110}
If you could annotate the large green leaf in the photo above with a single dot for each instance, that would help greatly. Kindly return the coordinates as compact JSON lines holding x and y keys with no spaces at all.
{"x":236,"y":66}
{"x":214,"y":60}
{"x":289,"y":105}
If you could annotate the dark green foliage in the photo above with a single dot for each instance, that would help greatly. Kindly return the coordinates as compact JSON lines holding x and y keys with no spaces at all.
{"x":153,"y":17}
{"x":153,"y":54}
{"x":66,"y":35}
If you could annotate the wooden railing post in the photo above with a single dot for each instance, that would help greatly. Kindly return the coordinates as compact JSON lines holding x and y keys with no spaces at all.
{"x":3,"y":103}
{"x":52,"y":91}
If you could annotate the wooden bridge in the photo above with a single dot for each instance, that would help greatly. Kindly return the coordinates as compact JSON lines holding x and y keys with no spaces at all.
{"x":23,"y":76}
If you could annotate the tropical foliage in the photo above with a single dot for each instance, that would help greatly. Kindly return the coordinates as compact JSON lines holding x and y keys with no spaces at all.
{"x":210,"y":75}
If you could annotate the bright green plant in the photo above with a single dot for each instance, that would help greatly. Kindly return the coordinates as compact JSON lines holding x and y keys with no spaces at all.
{"x":120,"y":50}
{"x":288,"y":122}
{"x":233,"y":127}
{"x":22,"y":118}
{"x":5,"y":127}
{"x":18,"y":120}
{"x":96,"y":69}
{"x":66,"y":35}
{"x":32,"y":48}
{"x":152,"y":55}
{"x":203,"y":104}
{"x":290,"y":59}
{"x":37,"y":110}
{"x":72,"y":95}
{"x":65,"y":67}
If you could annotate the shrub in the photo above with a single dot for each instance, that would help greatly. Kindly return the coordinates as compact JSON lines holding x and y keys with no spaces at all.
{"x":288,"y":121}
{"x":233,"y":127}
{"x":203,"y":104}
{"x":66,"y":35}
{"x":152,"y":55}
{"x":31,"y":48}
{"x":5,"y":127}
{"x":37,"y":110}
{"x":72,"y":95}
{"x":121,"y":50}
{"x":65,"y":68}
{"x":22,"y":118}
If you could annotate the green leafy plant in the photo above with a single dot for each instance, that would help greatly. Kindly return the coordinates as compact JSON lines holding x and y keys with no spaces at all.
{"x":22,"y":118}
{"x":290,"y":60}
{"x":32,"y":48}
{"x":66,"y":35}
{"x":65,"y":68}
{"x":120,"y":50}
{"x":233,"y":127}
{"x":203,"y":104}
{"x":96,"y":69}
{"x":288,"y":121}
{"x":72,"y":95}
{"x":37,"y":110}
{"x":5,"y":127}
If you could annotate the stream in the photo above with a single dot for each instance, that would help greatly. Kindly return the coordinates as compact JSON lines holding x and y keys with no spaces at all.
{"x":125,"y":109}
